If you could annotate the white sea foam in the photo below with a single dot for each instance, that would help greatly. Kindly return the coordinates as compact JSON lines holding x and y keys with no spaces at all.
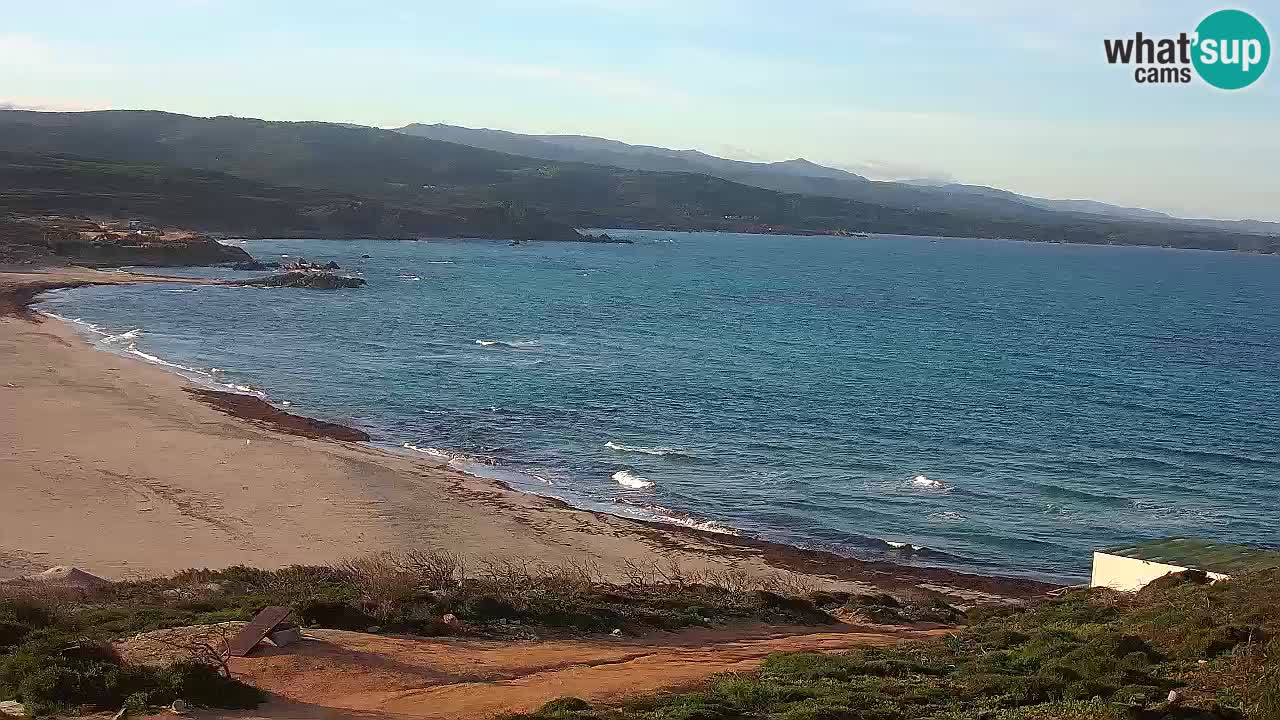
{"x":433,"y":452}
{"x":649,"y":511}
{"x":132,"y":349}
{"x":478,"y":465}
{"x":117,"y":343}
{"x":927,"y":483}
{"x":439,"y":262}
{"x":946,"y":516}
{"x":131,"y":335}
{"x":659,"y":451}
{"x":91,"y":327}
{"x":510,"y":344}
{"x":632,"y":481}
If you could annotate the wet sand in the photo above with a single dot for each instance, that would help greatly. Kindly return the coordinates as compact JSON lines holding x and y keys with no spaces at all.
{"x":122,"y":468}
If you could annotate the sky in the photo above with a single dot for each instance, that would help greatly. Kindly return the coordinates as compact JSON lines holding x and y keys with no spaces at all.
{"x":1014,"y":94}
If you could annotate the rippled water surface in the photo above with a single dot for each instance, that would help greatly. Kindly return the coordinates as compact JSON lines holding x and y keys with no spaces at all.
{"x":1006,"y":406}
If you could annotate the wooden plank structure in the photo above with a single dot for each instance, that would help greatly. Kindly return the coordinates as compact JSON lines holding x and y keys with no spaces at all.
{"x":262,"y":624}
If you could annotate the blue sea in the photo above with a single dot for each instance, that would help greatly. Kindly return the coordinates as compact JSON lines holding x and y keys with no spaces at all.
{"x":999,"y":406}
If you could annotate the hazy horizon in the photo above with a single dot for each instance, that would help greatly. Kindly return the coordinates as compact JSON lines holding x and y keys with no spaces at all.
{"x":992,"y":93}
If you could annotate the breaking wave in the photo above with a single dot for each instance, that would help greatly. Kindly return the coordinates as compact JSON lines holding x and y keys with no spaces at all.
{"x":650,"y":511}
{"x":131,"y":335}
{"x":924,"y":482}
{"x":657,"y":451}
{"x":123,"y":343}
{"x":511,"y":344}
{"x":433,"y":452}
{"x":628,"y":479}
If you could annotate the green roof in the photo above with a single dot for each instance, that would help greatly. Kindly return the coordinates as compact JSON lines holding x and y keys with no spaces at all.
{"x":1224,"y":558}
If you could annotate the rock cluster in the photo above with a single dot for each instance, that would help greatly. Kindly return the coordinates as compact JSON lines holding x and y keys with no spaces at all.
{"x":309,"y":279}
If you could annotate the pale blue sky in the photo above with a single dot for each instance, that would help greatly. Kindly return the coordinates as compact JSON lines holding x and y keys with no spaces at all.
{"x":1008,"y":93}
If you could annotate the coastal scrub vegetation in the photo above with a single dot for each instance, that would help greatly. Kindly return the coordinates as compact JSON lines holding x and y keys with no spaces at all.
{"x":1181,"y":648}
{"x":56,"y":661}
{"x":56,"y":642}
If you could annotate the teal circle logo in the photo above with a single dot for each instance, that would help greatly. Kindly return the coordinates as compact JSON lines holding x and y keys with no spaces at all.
{"x":1232,"y":49}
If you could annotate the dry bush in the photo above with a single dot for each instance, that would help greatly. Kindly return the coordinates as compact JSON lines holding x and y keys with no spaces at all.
{"x":569,"y":578}
{"x":652,"y":574}
{"x":436,"y":569}
{"x":300,"y":583}
{"x":793,"y":583}
{"x":383,"y":583}
{"x":641,"y":574}
{"x":510,"y":575}
{"x":206,"y":646}
{"x":43,"y":594}
{"x":736,"y":581}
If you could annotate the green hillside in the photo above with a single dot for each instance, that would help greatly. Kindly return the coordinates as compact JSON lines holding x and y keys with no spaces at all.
{"x":365,"y":181}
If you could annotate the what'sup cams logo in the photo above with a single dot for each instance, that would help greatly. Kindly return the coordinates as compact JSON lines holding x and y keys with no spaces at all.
{"x":1229,"y":50}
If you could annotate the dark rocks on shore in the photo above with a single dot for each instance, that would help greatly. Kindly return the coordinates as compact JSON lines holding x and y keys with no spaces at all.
{"x":604,"y":238}
{"x":308,"y":279}
{"x":255,"y":265}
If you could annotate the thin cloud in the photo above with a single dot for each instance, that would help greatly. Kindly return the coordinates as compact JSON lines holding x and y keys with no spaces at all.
{"x":48,"y":105}
{"x":892,"y":170}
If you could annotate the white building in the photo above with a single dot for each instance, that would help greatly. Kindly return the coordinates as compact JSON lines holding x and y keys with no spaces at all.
{"x":1132,"y":567}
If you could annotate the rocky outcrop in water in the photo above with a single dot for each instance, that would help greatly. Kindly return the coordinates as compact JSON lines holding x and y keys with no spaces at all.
{"x":604,"y":238}
{"x":308,"y":279}
{"x":302,"y":264}
{"x":255,"y":265}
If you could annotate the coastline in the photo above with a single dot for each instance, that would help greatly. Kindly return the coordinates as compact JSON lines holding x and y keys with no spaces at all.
{"x":98,"y":436}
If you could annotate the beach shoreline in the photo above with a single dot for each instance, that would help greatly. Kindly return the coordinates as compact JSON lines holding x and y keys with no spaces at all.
{"x":179,"y":476}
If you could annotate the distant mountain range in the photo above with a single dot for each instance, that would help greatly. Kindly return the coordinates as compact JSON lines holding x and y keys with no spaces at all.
{"x":308,"y":179}
{"x":1091,"y":207}
{"x":798,"y":175}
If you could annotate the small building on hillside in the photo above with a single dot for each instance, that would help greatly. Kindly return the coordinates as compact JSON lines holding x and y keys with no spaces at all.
{"x":1132,"y":567}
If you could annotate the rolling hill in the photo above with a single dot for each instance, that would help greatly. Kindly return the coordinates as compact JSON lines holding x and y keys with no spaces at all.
{"x":258,"y":177}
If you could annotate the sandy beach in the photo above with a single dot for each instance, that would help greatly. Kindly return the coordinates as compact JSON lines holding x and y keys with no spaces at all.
{"x":114,"y":465}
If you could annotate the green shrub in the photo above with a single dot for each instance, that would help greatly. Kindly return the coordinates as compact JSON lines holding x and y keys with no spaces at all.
{"x":484,"y":608}
{"x":56,"y":671}
{"x":1003,"y":638}
{"x":821,"y":712}
{"x":336,"y":614}
{"x":20,"y":618}
{"x":799,"y":667}
{"x":1266,"y":705}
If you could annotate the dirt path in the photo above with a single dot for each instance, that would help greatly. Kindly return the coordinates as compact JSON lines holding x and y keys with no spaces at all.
{"x":348,"y":675}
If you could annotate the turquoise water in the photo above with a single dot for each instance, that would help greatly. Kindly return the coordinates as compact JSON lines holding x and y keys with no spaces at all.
{"x":1006,"y":407}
